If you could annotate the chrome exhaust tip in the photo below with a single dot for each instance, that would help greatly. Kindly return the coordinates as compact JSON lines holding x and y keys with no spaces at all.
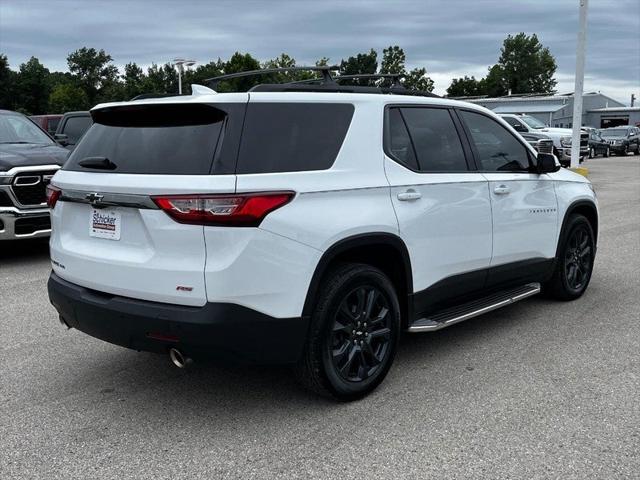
{"x":178,"y":358}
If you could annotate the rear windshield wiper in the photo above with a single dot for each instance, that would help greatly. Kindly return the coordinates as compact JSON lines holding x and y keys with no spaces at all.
{"x":99,"y":163}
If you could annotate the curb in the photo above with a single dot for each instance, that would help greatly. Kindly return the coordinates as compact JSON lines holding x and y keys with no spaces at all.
{"x":581,"y":170}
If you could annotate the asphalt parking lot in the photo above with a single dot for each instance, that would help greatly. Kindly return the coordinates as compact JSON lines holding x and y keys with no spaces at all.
{"x":540,"y":389}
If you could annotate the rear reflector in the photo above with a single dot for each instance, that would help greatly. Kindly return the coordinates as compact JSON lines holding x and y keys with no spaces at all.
{"x":242,"y":210}
{"x":53,"y":194}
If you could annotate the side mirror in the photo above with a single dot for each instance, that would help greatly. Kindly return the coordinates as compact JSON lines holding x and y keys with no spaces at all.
{"x":546,"y":163}
{"x":62,"y":139}
{"x":520,"y":128}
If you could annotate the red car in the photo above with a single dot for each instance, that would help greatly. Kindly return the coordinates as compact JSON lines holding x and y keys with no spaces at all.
{"x":48,"y":123}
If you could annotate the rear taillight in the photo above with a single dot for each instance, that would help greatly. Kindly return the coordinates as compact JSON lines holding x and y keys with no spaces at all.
{"x":242,"y":210}
{"x":53,"y":194}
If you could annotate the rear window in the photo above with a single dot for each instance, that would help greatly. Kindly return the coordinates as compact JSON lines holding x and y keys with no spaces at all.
{"x":292,"y":137}
{"x":75,"y":127}
{"x":152,"y":139}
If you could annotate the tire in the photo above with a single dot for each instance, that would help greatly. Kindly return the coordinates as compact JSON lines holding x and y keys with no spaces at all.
{"x":637,"y":150}
{"x":574,"y":262}
{"x":625,"y":151}
{"x":607,"y":152}
{"x":592,"y":152}
{"x":348,"y":353}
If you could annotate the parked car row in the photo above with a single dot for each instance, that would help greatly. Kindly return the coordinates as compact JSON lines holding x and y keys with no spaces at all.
{"x":617,"y":140}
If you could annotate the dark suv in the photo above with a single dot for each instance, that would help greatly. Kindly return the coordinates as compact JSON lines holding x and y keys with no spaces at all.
{"x":622,"y":139}
{"x":72,"y":127}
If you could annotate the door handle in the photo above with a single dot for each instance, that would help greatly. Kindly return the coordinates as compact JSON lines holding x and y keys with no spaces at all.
{"x":501,"y":190}
{"x":409,"y":195}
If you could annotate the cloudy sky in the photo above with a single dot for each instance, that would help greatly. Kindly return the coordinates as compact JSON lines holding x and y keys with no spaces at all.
{"x":451,"y":38}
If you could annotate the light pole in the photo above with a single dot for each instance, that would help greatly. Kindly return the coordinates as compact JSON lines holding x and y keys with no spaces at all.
{"x":579,"y":85}
{"x":180,"y":63}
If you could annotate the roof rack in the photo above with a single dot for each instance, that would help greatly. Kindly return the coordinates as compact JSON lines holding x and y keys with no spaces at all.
{"x":325,"y":83}
{"x":324,"y":69}
{"x":395,"y":78}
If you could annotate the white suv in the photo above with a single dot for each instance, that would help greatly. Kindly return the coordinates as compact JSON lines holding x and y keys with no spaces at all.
{"x":307,"y":227}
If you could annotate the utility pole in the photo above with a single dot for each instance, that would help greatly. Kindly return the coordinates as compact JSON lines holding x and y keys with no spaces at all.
{"x":579,"y":85}
{"x":180,"y":63}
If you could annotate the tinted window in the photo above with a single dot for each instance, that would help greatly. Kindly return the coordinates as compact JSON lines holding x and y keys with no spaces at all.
{"x":399,"y":141}
{"x":292,"y":137}
{"x":435,"y":139}
{"x":497,"y":149}
{"x":160,"y":139}
{"x":53,"y":124}
{"x":514,"y":123}
{"x":75,"y":128}
{"x":19,"y":129}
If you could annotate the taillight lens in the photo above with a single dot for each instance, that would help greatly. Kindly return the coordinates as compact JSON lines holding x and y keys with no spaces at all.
{"x":53,"y":194}
{"x":242,"y":210}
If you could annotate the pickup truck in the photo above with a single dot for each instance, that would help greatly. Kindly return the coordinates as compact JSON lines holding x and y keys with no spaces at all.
{"x":28,"y":160}
{"x":526,"y":124}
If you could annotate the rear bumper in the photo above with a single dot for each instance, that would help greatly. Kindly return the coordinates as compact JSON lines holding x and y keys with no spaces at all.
{"x":17,"y":224}
{"x":221,"y":331}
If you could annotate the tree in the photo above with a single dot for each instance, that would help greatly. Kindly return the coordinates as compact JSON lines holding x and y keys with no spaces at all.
{"x":240,"y":62}
{"x":417,"y":79}
{"x":526,"y":65}
{"x":133,"y":80}
{"x":32,"y":87}
{"x":202,"y":73}
{"x":92,"y":70}
{"x":160,"y":79}
{"x":7,"y":81}
{"x":362,"y":63}
{"x":66,"y":97}
{"x":494,"y":84}
{"x":285,"y":61}
{"x":393,"y":59}
{"x":465,"y":87}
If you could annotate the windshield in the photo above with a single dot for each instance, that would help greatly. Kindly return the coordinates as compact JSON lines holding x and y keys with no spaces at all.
{"x":19,"y":129}
{"x":532,"y":122}
{"x":616,"y":132}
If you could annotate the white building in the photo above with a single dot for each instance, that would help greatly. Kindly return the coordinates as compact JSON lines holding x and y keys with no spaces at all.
{"x":599,"y":111}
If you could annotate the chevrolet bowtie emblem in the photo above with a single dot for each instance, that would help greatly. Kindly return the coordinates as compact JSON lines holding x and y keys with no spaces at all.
{"x":94,"y":197}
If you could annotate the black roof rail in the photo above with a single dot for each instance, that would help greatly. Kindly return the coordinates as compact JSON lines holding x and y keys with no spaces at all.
{"x":324,"y":69}
{"x":395,"y":78}
{"x":325,"y":83}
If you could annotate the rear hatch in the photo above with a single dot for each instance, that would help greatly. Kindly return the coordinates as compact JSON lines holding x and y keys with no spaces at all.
{"x":109,"y":232}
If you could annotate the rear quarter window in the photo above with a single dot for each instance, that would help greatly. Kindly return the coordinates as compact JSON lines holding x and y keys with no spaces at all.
{"x":292,"y":137}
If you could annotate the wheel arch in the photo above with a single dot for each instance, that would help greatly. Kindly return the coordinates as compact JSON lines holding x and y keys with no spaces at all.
{"x":586,"y":208}
{"x":382,"y":250}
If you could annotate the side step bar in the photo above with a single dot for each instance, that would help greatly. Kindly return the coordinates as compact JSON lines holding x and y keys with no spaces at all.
{"x":463,"y":312}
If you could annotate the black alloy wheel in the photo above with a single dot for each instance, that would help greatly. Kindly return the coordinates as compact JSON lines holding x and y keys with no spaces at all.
{"x":354,"y":332}
{"x":574,"y":261}
{"x":578,"y":258}
{"x":361,"y":334}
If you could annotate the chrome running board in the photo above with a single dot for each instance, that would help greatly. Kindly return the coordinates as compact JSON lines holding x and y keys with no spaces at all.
{"x":460,"y":313}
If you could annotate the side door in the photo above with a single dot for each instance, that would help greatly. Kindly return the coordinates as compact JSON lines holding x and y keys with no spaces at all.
{"x":523,"y":203}
{"x":441,"y":203}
